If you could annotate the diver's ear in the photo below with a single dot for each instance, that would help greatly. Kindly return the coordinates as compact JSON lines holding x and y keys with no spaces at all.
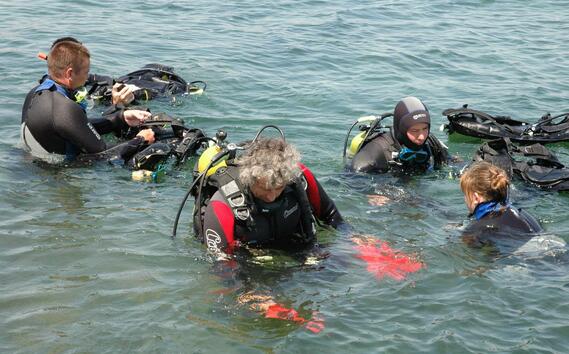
{"x":68,"y":73}
{"x":477,"y":198}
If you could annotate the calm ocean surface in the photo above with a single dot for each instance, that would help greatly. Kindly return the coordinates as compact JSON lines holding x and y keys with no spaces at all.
{"x":87,"y":264}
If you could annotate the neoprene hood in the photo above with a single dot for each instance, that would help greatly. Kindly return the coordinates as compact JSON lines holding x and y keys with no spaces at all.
{"x":408,"y":112}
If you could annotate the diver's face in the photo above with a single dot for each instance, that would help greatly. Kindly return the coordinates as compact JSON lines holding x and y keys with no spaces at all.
{"x":268,"y":195}
{"x":418,"y":133}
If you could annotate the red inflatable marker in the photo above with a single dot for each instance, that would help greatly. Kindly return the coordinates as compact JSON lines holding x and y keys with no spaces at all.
{"x":382,"y":261}
{"x":282,"y":313}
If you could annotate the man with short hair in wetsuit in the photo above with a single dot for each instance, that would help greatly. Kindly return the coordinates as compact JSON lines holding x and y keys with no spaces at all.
{"x":54,"y":120}
{"x":120,"y":95}
{"x":266,"y":198}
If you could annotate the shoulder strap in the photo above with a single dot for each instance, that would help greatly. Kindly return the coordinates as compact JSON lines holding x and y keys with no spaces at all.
{"x":306,"y":214}
{"x":226,"y":180}
{"x":497,"y":152}
{"x":546,"y":124}
{"x":439,"y":150}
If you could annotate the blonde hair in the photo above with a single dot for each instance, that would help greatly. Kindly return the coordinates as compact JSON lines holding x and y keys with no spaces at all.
{"x":273,"y":160}
{"x":489,"y":181}
{"x":64,"y":55}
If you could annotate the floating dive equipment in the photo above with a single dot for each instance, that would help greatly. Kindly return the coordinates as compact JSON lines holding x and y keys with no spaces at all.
{"x":534,"y":164}
{"x":470,"y":122}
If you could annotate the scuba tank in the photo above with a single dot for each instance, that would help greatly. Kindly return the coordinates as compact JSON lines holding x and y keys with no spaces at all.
{"x":209,"y":153}
{"x":367,"y":126}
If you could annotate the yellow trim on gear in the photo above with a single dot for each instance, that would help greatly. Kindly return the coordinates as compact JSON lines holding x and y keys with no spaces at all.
{"x":206,"y":157}
{"x":356,"y":144}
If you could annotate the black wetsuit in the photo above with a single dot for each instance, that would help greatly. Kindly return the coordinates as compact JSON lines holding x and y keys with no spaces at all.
{"x":501,"y":225}
{"x":277,"y":224}
{"x":53,"y":123}
{"x":380,"y":154}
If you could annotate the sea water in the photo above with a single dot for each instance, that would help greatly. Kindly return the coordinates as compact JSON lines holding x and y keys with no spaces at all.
{"x":87,"y":263}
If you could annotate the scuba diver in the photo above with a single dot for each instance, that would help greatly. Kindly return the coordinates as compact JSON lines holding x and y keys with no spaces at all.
{"x":408,"y":146}
{"x":54,"y":119}
{"x":149,"y":82}
{"x":119,"y":94}
{"x":485,"y":189}
{"x":263,"y":198}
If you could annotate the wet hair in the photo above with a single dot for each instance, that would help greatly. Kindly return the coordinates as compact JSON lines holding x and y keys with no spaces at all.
{"x":489,"y":181}
{"x":408,"y":112}
{"x":66,"y":54}
{"x":273,"y":160}
{"x":65,"y":39}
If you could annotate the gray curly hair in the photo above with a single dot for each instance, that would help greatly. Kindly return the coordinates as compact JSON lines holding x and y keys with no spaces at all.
{"x":273,"y":160}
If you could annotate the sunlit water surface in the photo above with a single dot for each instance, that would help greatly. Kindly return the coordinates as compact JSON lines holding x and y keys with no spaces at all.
{"x":86,"y":259}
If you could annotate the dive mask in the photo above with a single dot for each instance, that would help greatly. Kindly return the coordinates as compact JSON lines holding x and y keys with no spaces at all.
{"x":415,"y":156}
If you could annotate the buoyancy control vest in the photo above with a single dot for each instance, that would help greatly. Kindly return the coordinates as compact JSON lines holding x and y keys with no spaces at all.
{"x":172,"y":138}
{"x":226,"y":180}
{"x":534,"y":164}
{"x":470,"y":122}
{"x":151,"y":81}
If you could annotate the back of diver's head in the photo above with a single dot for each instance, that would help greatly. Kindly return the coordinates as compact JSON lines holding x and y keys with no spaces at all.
{"x":65,"y":39}
{"x":44,"y":56}
{"x":408,"y":112}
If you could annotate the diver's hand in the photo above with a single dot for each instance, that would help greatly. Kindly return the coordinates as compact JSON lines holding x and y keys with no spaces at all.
{"x":135,"y":117}
{"x":363,"y":239}
{"x":122,"y":93}
{"x":377,"y":200}
{"x":147,"y":134}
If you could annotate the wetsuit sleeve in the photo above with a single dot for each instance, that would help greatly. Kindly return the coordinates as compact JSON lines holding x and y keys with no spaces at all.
{"x":219,"y":226}
{"x":112,"y":121}
{"x":26,"y":105}
{"x":372,"y":157}
{"x":72,"y":125}
{"x":127,"y":149}
{"x":323,"y":207}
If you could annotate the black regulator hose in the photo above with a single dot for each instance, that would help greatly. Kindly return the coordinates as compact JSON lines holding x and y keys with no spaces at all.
{"x":200,"y":178}
{"x":265,"y":127}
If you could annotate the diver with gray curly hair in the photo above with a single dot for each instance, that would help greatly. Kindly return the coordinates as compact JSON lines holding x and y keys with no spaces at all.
{"x":269,"y":164}
{"x":264,"y":198}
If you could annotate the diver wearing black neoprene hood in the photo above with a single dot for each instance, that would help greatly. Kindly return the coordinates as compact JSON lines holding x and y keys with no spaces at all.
{"x":408,"y":145}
